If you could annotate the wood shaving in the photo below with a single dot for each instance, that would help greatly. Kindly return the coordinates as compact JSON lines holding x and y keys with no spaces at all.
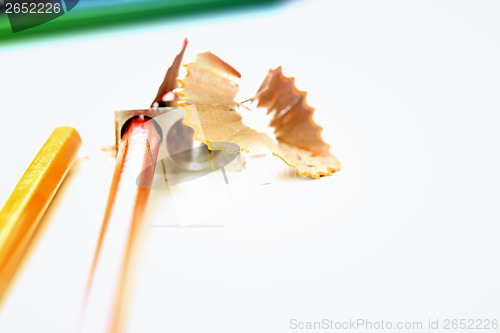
{"x":207,"y":94}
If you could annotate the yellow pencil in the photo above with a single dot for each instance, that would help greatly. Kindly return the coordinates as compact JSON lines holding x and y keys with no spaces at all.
{"x":28,"y":202}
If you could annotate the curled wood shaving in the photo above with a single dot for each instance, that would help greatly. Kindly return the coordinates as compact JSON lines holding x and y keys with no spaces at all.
{"x":291,"y":116}
{"x":207,"y":94}
{"x":209,"y":80}
{"x":170,"y":80}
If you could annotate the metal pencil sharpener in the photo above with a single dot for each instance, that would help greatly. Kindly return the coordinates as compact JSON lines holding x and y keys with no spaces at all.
{"x":180,"y":158}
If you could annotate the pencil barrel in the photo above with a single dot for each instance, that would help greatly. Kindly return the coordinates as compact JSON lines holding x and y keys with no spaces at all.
{"x":106,"y":299}
{"x":24,"y":209}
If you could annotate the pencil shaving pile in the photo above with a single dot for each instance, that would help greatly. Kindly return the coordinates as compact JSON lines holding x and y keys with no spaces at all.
{"x":207,"y":94}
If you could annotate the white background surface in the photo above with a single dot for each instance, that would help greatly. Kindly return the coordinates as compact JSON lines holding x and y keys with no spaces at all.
{"x":407,"y":93}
